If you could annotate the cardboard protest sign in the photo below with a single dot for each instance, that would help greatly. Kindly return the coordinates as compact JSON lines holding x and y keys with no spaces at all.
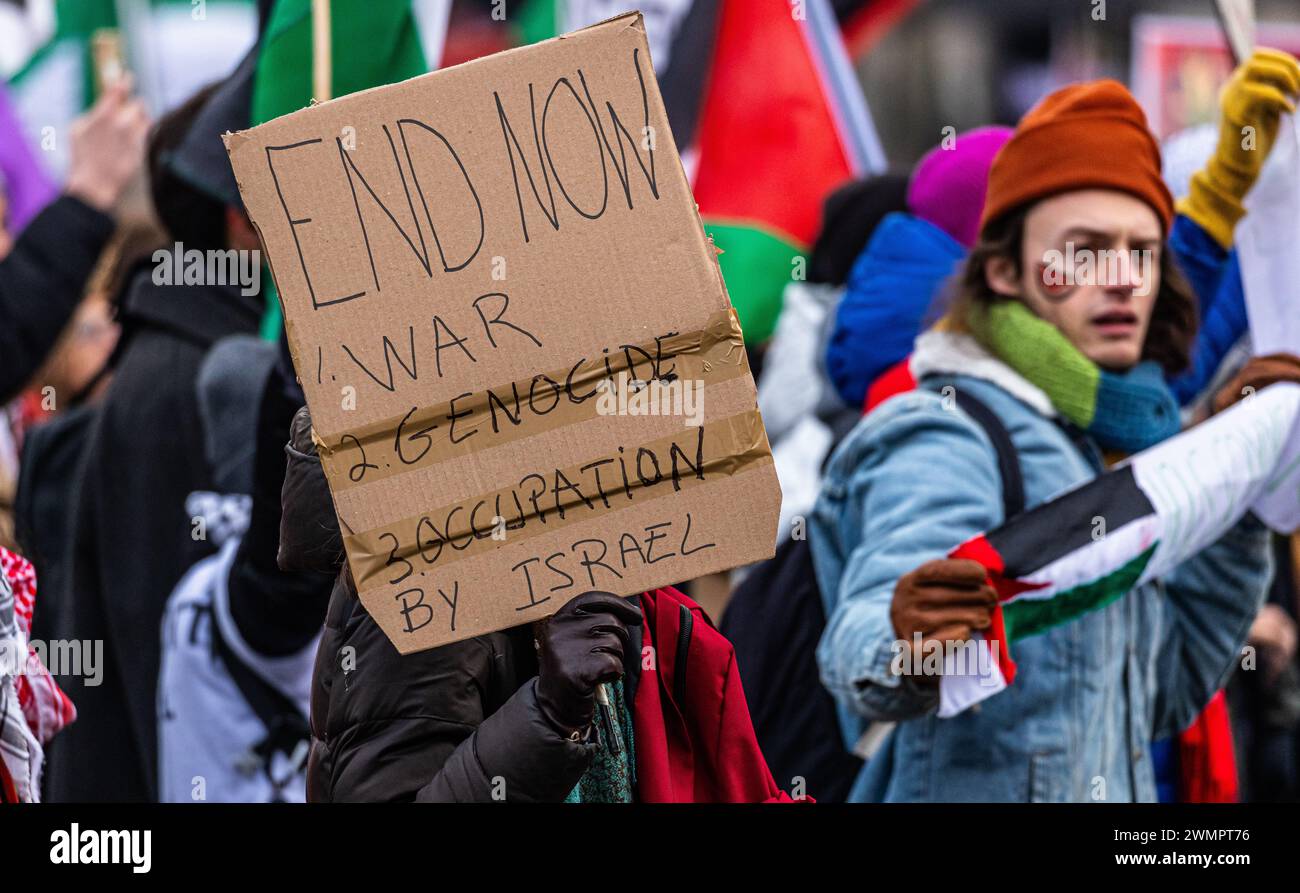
{"x":525,"y":377}
{"x":1082,"y":550}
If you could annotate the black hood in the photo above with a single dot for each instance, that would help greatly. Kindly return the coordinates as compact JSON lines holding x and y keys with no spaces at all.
{"x":201,"y":314}
{"x":201,"y":158}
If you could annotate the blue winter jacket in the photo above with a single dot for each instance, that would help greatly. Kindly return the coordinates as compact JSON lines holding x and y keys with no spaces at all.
{"x":914,"y":479}
{"x":1215,"y":277}
{"x":889,"y":291}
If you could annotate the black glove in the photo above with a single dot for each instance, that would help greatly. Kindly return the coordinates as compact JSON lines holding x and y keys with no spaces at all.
{"x":581,"y":645}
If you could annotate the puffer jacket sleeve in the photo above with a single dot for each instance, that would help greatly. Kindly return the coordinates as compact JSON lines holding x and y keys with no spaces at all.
{"x":867,"y":335}
{"x":1215,"y":277}
{"x":515,"y":754}
{"x":1211,"y":601}
{"x":1201,"y":259}
{"x":309,"y":529}
{"x":918,"y":478}
{"x":890,"y":292}
{"x":434,"y":727}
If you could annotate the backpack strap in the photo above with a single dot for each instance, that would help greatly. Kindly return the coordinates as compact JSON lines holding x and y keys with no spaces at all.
{"x":1013,"y":483}
{"x":285,"y":725}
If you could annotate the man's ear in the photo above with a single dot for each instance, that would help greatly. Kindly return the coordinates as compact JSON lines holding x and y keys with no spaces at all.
{"x":1001,"y":276}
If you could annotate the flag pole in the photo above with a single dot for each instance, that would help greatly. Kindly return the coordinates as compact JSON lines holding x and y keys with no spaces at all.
{"x":1237,"y":18}
{"x":321,"y":64}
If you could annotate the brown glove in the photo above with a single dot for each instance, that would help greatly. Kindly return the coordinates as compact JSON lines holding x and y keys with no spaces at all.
{"x":1256,"y":375}
{"x":943,"y":600}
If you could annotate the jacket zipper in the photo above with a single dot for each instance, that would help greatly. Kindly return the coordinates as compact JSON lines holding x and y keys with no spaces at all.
{"x":683,"y":647}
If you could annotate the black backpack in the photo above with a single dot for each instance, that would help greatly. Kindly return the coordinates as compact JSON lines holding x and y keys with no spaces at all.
{"x":775,"y":620}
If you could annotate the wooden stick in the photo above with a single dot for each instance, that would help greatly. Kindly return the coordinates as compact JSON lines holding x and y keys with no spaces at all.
{"x":321,"y":63}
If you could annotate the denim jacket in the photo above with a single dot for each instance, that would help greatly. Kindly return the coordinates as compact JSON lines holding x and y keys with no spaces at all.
{"x":917,"y":477}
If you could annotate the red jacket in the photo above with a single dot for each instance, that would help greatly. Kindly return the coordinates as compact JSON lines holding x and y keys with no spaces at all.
{"x":694,"y":738}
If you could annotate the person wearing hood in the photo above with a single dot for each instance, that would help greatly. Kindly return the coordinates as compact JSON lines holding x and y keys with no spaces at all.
{"x":1071,"y":373}
{"x":239,"y":635}
{"x":133,"y":536}
{"x":910,"y":256}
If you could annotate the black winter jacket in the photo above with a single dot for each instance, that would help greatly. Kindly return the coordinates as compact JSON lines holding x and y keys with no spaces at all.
{"x":42,"y":281}
{"x":132,"y":537}
{"x":458,"y":723}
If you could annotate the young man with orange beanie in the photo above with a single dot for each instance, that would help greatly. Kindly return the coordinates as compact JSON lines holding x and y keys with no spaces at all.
{"x":1068,"y":361}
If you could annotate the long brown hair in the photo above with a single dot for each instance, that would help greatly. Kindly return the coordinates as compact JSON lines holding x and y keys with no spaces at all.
{"x":1172,"y":332}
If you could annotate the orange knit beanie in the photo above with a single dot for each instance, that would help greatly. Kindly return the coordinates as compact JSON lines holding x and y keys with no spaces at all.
{"x":1085,"y":136}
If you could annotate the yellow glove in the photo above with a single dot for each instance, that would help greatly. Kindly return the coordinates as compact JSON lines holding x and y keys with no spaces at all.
{"x":1261,"y":88}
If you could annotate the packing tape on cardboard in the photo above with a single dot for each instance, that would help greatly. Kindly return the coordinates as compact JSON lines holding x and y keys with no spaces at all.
{"x":548,"y":500}
{"x":426,"y":437}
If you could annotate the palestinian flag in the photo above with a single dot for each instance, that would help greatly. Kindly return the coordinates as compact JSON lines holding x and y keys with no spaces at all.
{"x":783,"y":123}
{"x":1081,"y":551}
{"x":1046,"y":573}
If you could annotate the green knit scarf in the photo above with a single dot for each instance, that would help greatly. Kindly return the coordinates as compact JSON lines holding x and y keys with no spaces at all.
{"x":1128,"y":412}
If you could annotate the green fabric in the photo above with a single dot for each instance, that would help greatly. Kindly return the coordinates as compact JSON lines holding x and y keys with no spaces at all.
{"x":1029,"y":617}
{"x":82,"y":18}
{"x":540,"y":20}
{"x":756,"y":265}
{"x":373,"y":44}
{"x":1039,"y":351}
{"x":272,"y":317}
{"x":611,"y":776}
